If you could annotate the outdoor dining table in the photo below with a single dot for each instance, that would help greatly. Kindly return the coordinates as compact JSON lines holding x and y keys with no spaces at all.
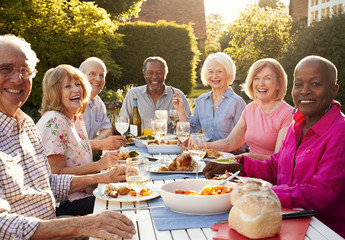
{"x":147,"y":230}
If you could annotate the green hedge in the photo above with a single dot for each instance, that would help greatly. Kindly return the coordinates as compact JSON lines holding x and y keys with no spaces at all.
{"x":175,"y":43}
{"x":326,"y":39}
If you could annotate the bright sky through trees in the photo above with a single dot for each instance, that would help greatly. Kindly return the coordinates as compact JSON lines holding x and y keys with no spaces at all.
{"x":229,"y":9}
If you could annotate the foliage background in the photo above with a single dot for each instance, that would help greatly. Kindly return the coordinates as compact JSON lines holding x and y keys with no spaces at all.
{"x":258,"y":33}
{"x":326,"y":39}
{"x":60,"y":32}
{"x":68,"y":32}
{"x":175,"y":43}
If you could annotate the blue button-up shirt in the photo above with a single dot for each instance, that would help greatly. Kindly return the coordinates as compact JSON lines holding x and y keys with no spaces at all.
{"x":218,"y":125}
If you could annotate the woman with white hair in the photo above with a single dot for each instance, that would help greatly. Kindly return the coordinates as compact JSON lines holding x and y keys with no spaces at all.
{"x":218,"y":111}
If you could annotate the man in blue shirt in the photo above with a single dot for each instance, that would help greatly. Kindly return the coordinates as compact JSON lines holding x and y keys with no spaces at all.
{"x":97,"y":123}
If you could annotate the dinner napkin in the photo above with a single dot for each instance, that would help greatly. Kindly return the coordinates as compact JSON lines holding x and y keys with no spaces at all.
{"x":292,"y":229}
{"x":165,"y":219}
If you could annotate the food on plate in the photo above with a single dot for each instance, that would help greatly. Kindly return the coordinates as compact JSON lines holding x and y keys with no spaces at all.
{"x":166,"y":142}
{"x":256,"y":211}
{"x":171,"y":142}
{"x":123,"y":190}
{"x":114,"y":192}
{"x":123,"y":155}
{"x":144,"y":192}
{"x":207,"y":190}
{"x":225,"y":176}
{"x":212,"y":153}
{"x":133,"y":153}
{"x":226,"y":160}
{"x":111,"y":191}
{"x":153,"y":142}
{"x":182,"y":162}
{"x":129,"y":138}
{"x":149,"y":137}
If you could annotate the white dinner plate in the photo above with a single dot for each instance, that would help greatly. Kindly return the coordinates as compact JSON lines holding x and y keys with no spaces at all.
{"x":223,"y":155}
{"x":201,"y":166}
{"x":99,"y":193}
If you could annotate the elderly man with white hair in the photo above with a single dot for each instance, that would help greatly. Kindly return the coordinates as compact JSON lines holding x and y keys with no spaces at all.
{"x":28,"y":190}
{"x":97,"y":123}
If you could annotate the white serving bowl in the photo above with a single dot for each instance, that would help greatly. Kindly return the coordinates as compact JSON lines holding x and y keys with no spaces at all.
{"x":195,"y":204}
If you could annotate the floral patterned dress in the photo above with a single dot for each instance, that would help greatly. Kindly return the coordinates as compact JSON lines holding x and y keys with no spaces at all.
{"x":63,"y":136}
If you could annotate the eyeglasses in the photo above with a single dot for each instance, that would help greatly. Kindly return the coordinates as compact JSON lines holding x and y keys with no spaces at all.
{"x":9,"y":70}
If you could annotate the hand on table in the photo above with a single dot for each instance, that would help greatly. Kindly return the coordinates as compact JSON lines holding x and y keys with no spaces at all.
{"x":115,"y":174}
{"x":108,"y":225}
{"x":113,"y":142}
{"x":183,"y":145}
{"x":109,"y":159}
{"x":213,"y":168}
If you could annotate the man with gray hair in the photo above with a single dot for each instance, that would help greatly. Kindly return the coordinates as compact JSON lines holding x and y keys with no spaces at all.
{"x":155,"y":95}
{"x":97,"y":123}
{"x":28,"y":190}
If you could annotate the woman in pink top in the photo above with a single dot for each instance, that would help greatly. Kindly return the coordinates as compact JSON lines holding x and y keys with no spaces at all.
{"x":65,"y":96}
{"x":309,"y":170}
{"x":264,"y":121}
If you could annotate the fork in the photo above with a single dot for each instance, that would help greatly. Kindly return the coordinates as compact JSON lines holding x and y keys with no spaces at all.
{"x":156,"y":163}
{"x":169,"y":85}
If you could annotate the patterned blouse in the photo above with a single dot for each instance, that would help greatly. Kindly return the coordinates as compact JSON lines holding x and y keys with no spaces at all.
{"x":63,"y":136}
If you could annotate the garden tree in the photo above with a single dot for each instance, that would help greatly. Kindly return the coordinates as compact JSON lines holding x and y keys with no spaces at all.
{"x":120,"y":9}
{"x":60,"y":32}
{"x":175,"y":43}
{"x":258,"y":33}
{"x":325,"y":39}
{"x":224,"y":39}
{"x":214,"y":27}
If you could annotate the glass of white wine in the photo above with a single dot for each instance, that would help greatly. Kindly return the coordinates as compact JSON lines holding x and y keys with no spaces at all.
{"x":182,"y":131}
{"x":197,"y":148}
{"x":161,"y":114}
{"x":121,"y":124}
{"x":173,"y":116}
{"x":137,"y":175}
{"x":159,"y":129}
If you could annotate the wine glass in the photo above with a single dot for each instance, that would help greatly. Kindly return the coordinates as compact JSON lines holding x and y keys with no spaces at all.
{"x":121,"y":124}
{"x":182,"y":131}
{"x":161,"y":114}
{"x":197,"y":148}
{"x":159,"y":129}
{"x":137,"y":175}
{"x":173,"y":116}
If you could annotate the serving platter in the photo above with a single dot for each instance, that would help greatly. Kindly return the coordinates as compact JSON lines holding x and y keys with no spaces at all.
{"x":163,"y":148}
{"x":201,"y":166}
{"x":99,"y":193}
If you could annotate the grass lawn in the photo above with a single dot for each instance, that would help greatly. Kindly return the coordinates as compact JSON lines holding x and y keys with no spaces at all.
{"x":198,"y":90}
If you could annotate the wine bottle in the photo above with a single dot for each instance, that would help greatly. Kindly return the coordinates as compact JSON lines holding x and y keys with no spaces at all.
{"x":135,"y":122}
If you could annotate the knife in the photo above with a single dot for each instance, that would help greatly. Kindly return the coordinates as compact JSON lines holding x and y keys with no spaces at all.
{"x":299,"y":214}
{"x":141,"y":208}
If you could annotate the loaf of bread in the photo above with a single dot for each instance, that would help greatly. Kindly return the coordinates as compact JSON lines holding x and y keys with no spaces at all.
{"x":256,"y":211}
